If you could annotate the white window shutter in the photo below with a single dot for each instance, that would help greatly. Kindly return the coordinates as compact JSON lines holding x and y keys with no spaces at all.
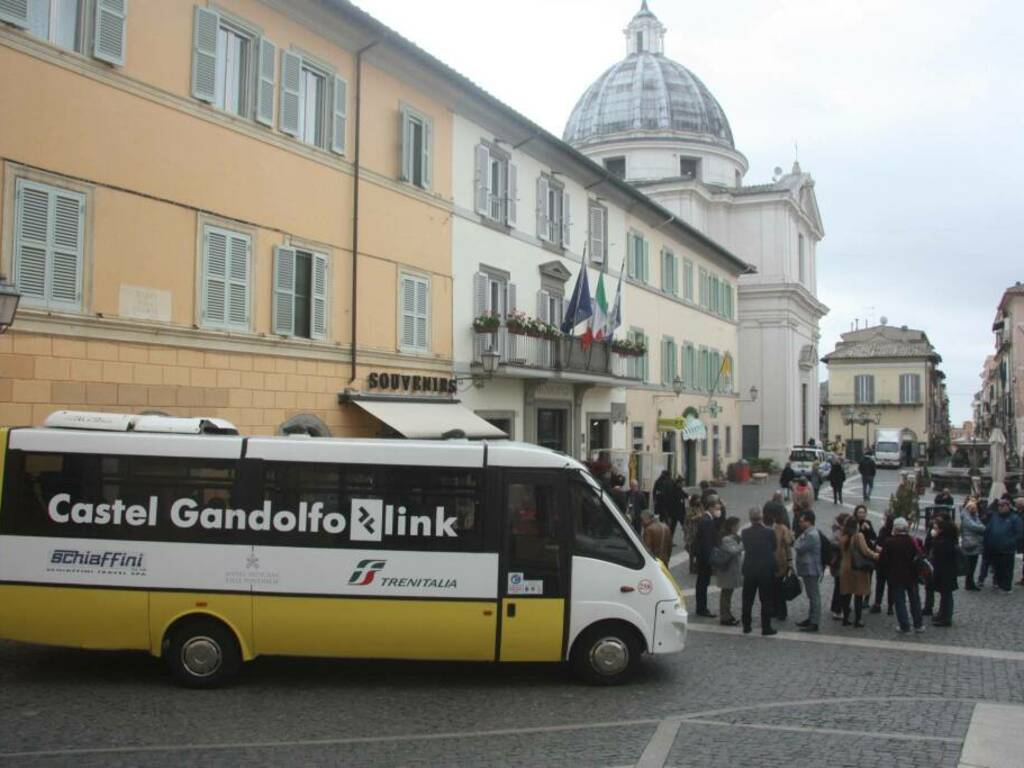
{"x":511,"y":298}
{"x":68,"y":226}
{"x":542,"y":208}
{"x":422,"y":311}
{"x":238,"y":282}
{"x":339,"y":123}
{"x":543,"y":307}
{"x":597,"y":234}
{"x":14,"y":12}
{"x":215,"y":273}
{"x":513,"y":192}
{"x":32,"y":238}
{"x":407,"y":331}
{"x":204,"y":54}
{"x":265,"y":86}
{"x":426,"y":154}
{"x":566,"y":219}
{"x":479,"y":294}
{"x":109,"y":31}
{"x":405,"y":148}
{"x":318,"y":309}
{"x":291,"y":81}
{"x":482,"y":187}
{"x":284,"y":291}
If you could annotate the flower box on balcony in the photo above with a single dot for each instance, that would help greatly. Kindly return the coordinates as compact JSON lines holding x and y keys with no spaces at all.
{"x":486,"y":323}
{"x":627,"y":348}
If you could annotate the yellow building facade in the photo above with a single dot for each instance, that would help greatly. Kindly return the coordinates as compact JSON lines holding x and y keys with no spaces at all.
{"x":181,"y":206}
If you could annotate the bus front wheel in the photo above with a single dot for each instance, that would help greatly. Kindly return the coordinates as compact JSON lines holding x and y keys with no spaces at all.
{"x":606,"y":654}
{"x":202,"y":653}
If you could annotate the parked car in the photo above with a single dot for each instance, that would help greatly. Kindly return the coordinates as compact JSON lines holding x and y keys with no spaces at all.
{"x":802,"y":458}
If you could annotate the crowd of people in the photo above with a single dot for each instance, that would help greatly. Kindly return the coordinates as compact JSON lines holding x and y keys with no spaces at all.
{"x":775,"y":558}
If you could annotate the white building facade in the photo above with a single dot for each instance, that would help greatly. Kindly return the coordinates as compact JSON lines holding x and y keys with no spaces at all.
{"x":653,"y":123}
{"x":526,"y":209}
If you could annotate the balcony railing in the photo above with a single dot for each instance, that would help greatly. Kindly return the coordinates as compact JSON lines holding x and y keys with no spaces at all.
{"x":565,"y":355}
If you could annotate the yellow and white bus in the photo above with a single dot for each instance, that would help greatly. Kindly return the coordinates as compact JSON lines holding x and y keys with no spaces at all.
{"x":181,"y":538}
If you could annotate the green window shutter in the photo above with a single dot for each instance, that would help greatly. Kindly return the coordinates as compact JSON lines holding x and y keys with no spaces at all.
{"x":631,"y":255}
{"x":14,"y":12}
{"x":339,"y":123}
{"x":427,"y":151}
{"x":647,"y":357}
{"x":664,"y":362}
{"x":215,"y":269}
{"x":566,"y":219}
{"x":542,"y":209}
{"x":291,"y":80}
{"x":647,"y":261}
{"x":204,"y":54}
{"x":68,"y":226}
{"x":284,"y":291}
{"x":238,"y":282}
{"x":318,"y":321}
{"x":32,"y":240}
{"x":108,"y":39}
{"x":267,"y":80}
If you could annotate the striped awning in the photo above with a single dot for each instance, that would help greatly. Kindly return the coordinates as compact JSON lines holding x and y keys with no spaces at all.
{"x":695,"y":430}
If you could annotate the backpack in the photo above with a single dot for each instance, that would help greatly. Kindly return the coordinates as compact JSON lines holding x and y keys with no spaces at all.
{"x":828,"y":550}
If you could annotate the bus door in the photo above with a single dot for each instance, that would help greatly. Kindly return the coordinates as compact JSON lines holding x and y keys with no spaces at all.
{"x":534,"y":573}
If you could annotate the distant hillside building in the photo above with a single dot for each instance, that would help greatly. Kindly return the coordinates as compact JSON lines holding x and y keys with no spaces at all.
{"x":888,"y":377}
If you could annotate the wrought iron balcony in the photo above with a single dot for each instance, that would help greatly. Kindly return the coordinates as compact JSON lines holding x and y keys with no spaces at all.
{"x":519,"y":355}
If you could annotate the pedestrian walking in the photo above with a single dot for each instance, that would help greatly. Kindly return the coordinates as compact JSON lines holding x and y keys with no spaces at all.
{"x":786,"y":478}
{"x":707,"y":537}
{"x":1003,"y":536}
{"x":775,"y":509}
{"x":783,"y":565}
{"x":854,"y":582}
{"x":816,"y":478}
{"x":899,"y":558}
{"x":944,"y":566}
{"x":660,"y":496}
{"x":758,"y":570}
{"x":807,"y":548}
{"x":985,"y":513}
{"x":694,"y":513}
{"x":836,"y":606}
{"x":803,"y":496}
{"x":728,"y":575}
{"x":972,"y":538}
{"x":881,"y":577}
{"x":657,"y":537}
{"x":636,"y":502}
{"x":837,"y":479}
{"x":676,"y":506}
{"x":868,"y":470}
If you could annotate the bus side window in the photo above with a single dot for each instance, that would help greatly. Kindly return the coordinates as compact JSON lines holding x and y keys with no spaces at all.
{"x":597,"y":532}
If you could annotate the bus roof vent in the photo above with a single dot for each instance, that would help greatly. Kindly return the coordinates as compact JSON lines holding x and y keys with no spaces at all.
{"x":126,"y":422}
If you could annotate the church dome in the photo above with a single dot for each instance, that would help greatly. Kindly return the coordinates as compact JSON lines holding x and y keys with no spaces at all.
{"x":647,"y":92}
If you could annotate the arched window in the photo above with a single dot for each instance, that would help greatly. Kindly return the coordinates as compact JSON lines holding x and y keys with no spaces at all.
{"x":304,"y":424}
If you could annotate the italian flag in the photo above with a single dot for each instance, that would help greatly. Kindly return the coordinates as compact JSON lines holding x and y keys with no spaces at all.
{"x":600,"y":319}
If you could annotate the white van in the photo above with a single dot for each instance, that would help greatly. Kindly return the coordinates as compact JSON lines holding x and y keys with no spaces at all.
{"x":181,"y":538}
{"x":803,"y":457}
{"x":888,"y":451}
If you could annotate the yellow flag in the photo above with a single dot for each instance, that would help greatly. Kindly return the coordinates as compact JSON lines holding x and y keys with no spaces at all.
{"x":726,"y":369}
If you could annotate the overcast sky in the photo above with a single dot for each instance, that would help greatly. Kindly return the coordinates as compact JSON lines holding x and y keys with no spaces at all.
{"x":909,"y":115}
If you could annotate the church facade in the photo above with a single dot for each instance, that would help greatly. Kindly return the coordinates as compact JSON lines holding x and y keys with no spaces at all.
{"x":651,"y":122}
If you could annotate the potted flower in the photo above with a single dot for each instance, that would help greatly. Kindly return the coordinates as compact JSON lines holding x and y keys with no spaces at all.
{"x":629,"y":348}
{"x":518,"y":323}
{"x":550,"y":332}
{"x":486,"y":323}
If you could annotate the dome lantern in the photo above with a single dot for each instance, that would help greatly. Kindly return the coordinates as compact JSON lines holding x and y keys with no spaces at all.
{"x":644,"y":33}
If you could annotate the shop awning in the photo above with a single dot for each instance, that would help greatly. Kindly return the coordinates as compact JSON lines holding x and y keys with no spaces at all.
{"x":695,"y":430}
{"x":429,"y":420}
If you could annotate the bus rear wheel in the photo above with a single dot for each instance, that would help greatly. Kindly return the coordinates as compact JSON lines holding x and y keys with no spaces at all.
{"x":202,"y":653}
{"x":606,"y":654}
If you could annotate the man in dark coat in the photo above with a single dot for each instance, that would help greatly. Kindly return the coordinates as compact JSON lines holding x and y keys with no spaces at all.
{"x":898,"y":559}
{"x":758,"y":571}
{"x":786,"y":478}
{"x":707,"y":537}
{"x":867,"y":475}
{"x":660,"y":496}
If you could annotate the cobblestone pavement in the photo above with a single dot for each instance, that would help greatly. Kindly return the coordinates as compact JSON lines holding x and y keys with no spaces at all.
{"x":851,"y":699}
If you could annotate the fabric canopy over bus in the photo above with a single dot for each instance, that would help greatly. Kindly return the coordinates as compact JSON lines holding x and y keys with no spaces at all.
{"x":429,"y":420}
{"x":695,"y":430}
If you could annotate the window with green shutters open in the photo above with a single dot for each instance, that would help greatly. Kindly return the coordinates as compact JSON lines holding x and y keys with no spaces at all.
{"x":638,"y":257}
{"x":598,"y":233}
{"x":300,"y":293}
{"x":49,"y":228}
{"x":688,"y":280}
{"x":65,"y":23}
{"x":669,"y":367}
{"x":689,"y":366}
{"x":417,"y":147}
{"x":226,"y":279}
{"x":669,"y":273}
{"x":414,"y":313}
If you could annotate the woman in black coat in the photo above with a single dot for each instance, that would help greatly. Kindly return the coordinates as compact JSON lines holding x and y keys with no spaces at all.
{"x":837,"y":478}
{"x":943,"y":551}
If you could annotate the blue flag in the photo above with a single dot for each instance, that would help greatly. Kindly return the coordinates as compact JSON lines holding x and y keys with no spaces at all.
{"x":579,"y":308}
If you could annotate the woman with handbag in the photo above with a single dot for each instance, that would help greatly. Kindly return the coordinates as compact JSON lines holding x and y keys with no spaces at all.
{"x":783,"y":565}
{"x":944,"y":563}
{"x":855,"y":570}
{"x":836,"y":606}
{"x":727,"y":567}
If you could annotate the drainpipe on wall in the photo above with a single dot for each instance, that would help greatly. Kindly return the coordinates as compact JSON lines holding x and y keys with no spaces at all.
{"x":355,"y":203}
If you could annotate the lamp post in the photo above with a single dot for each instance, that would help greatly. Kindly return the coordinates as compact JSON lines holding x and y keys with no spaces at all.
{"x":9,"y":298}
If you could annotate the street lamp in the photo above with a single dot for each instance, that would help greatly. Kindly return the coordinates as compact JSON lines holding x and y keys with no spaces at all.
{"x":489,"y":359}
{"x":677,"y":386}
{"x":9,"y":298}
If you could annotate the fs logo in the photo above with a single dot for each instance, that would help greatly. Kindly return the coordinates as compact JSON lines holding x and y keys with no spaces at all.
{"x":365,"y":571}
{"x":367,"y":519}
